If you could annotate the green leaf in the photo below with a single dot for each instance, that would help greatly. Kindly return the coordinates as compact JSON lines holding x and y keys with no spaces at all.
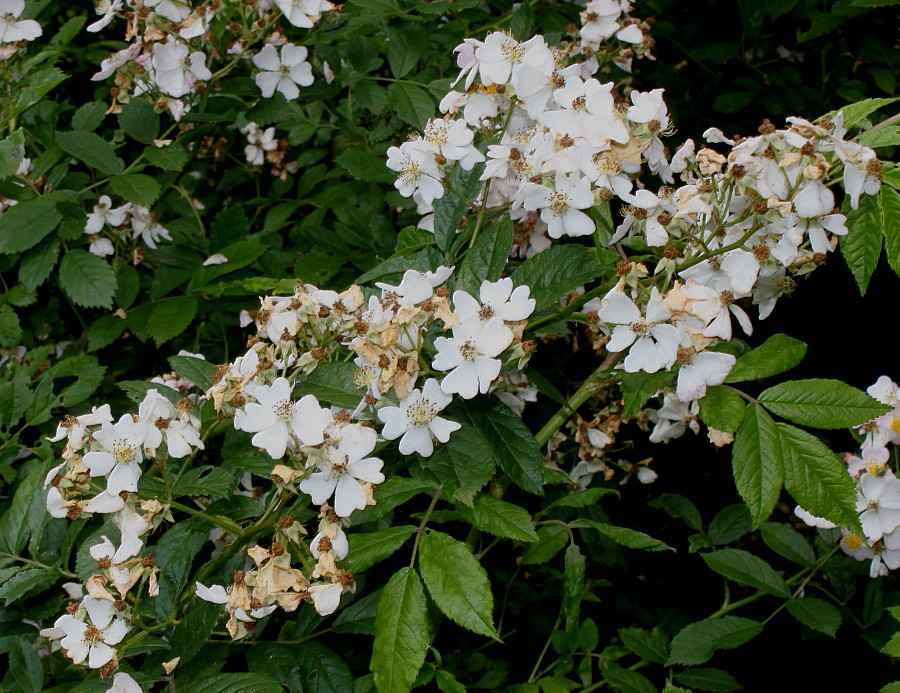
{"x":140,"y":121}
{"x":456,"y":582}
{"x":714,"y":680}
{"x":368,"y":549}
{"x":629,"y":538}
{"x":27,"y":510}
{"x":175,"y":552}
{"x":447,"y":683}
{"x":191,"y":633}
{"x":10,"y":329}
{"x":392,"y":493}
{"x":12,"y":151}
{"x":172,"y":157}
{"x":205,"y":481}
{"x":87,"y":280}
{"x":91,"y":149}
{"x":27,"y":582}
{"x":747,"y":569}
{"x":777,"y":354}
{"x":24,"y":225}
{"x":816,"y":613}
{"x":556,"y":272}
{"x":322,"y":670}
{"x":817,"y":479}
{"x":551,"y":540}
{"x":405,"y":47}
{"x":359,"y":616}
{"x":499,"y":518}
{"x":90,"y":115}
{"x":511,"y":443}
{"x":487,"y":258}
{"x":333,"y":383}
{"x":168,"y":318}
{"x":678,"y":506}
{"x":888,"y":136}
{"x":413,"y":105}
{"x":861,"y":247}
{"x":136,"y":187}
{"x":582,"y":498}
{"x":722,"y":408}
{"x":38,"y":263}
{"x":450,"y":209}
{"x":25,"y":666}
{"x":855,"y":112}
{"x":890,"y":207}
{"x":788,"y":542}
{"x":471,"y":459}
{"x":822,"y":403}
{"x":365,"y":166}
{"x":627,"y":681}
{"x":733,"y":101}
{"x":757,"y":465}
{"x":574,"y":570}
{"x":89,"y":374}
{"x":231,"y":683}
{"x":401,"y":633}
{"x":652,"y":645}
{"x":696,"y":643}
{"x":239,"y":255}
{"x":638,"y":387}
{"x":137,"y":390}
{"x":730,"y":524}
{"x":196,"y":370}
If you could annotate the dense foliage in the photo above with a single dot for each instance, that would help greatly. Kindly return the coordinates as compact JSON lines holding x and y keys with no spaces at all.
{"x":470,"y":269}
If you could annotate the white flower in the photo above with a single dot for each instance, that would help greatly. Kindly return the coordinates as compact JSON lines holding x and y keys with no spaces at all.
{"x":116,"y":60}
{"x":121,"y":455}
{"x":471,"y":356}
{"x":303,"y":13}
{"x":418,"y":171}
{"x":145,"y":224}
{"x":176,"y":71}
{"x":108,"y":9}
{"x":559,"y":207}
{"x":260,"y":142}
{"x":878,"y":502}
{"x":454,"y":141}
{"x":673,"y":418}
{"x":498,"y":299}
{"x":123,"y":683}
{"x":93,"y":641}
{"x":417,"y":420}
{"x":500,"y":53}
{"x":699,"y":371}
{"x":326,"y":598}
{"x":655,"y":342}
{"x":275,"y":417}
{"x":283,"y":73}
{"x":12,"y":31}
{"x":215,"y":594}
{"x":346,"y":471}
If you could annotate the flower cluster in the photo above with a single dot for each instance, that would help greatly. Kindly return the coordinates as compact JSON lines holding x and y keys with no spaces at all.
{"x":877,"y":488}
{"x":114,"y":223}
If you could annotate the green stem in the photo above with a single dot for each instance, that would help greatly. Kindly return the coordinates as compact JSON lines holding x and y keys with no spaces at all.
{"x":737,"y":244}
{"x":434,"y":500}
{"x":222,"y":522}
{"x":37,"y":564}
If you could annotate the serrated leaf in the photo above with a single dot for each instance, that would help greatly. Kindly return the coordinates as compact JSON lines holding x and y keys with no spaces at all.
{"x":855,"y":112}
{"x":777,"y":354}
{"x":499,"y":518}
{"x":788,"y":542}
{"x":38,"y":263}
{"x":168,"y":319}
{"x":12,"y":151}
{"x":890,"y":207}
{"x":368,"y":549}
{"x":457,"y":583}
{"x":630,"y":538}
{"x":817,"y":479}
{"x":449,"y":210}
{"x":747,"y":569}
{"x":137,"y":188}
{"x":191,"y":633}
{"x":470,"y":458}
{"x":756,"y":463}
{"x":205,"y":481}
{"x":25,"y":666}
{"x":730,"y":524}
{"x":322,"y":670}
{"x":91,"y":149}
{"x":405,"y":47}
{"x":715,"y":680}
{"x":652,"y":645}
{"x":822,"y":403}
{"x":172,"y":157}
{"x":722,"y":408}
{"x":359,"y":616}
{"x":638,"y":387}
{"x":557,"y":271}
{"x":401,"y":633}
{"x":487,"y":257}
{"x":137,"y":390}
{"x":392,"y":493}
{"x":627,"y":681}
{"x":39,"y":216}
{"x":861,"y":247}
{"x":140,"y":121}
{"x":551,"y":540}
{"x":333,"y":383}
{"x":175,"y":552}
{"x":888,"y":136}
{"x":231,"y":683}
{"x":10,"y":329}
{"x":696,"y":643}
{"x":87,"y":280}
{"x":816,"y":613}
{"x":196,"y":370}
{"x":573,"y":589}
{"x":447,"y":683}
{"x":365,"y":166}
{"x":413,"y":105}
{"x":26,"y":582}
{"x":581,"y":499}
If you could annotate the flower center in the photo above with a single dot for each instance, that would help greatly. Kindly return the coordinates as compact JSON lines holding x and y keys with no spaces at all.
{"x":512,"y":52}
{"x":123,"y":451}
{"x":468,"y":350}
{"x":852,"y":542}
{"x":284,"y":410}
{"x":486,"y":312}
{"x":9,"y":18}
{"x":421,"y":413}
{"x":365,"y":376}
{"x":285,"y":70}
{"x":641,"y":328}
{"x":436,"y":134}
{"x":93,"y":635}
{"x":559,"y":203}
{"x":410,"y":171}
{"x":873,"y":505}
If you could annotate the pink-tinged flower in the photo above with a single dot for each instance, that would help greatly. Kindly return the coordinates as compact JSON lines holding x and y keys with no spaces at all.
{"x":275,"y":418}
{"x":346,"y":471}
{"x":417,"y":420}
